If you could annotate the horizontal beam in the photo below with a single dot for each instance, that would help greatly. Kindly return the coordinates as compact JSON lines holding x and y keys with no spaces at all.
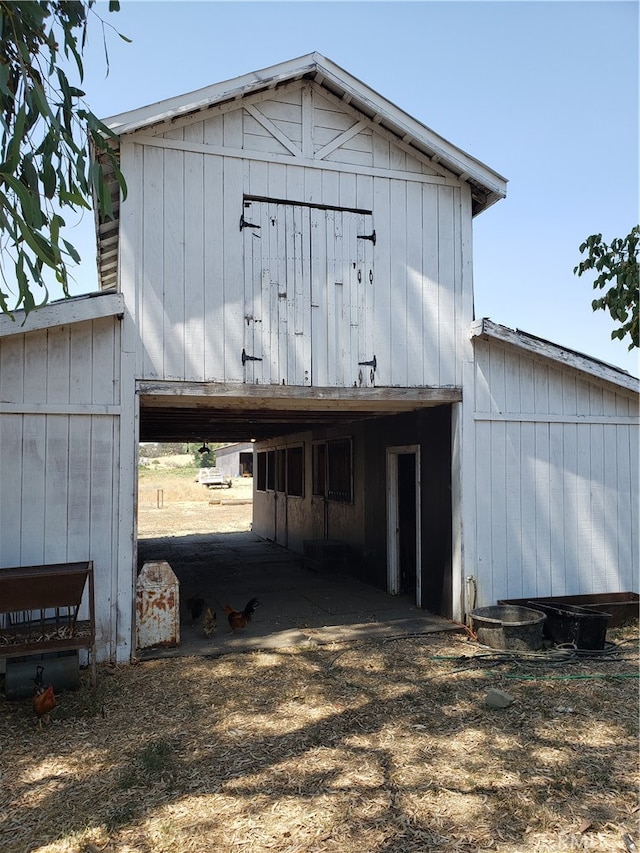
{"x":283,"y":397}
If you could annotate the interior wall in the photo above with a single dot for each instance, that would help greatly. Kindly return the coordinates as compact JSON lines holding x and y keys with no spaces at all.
{"x":363,"y":523}
{"x":431,"y":429}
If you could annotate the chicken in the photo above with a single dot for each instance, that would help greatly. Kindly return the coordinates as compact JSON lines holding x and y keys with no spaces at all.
{"x":239,"y":618}
{"x":196,"y":607}
{"x":44,"y":700}
{"x":209,"y":623}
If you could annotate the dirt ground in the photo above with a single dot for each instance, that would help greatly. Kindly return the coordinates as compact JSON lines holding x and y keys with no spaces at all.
{"x":376,"y":746}
{"x":172,"y":502}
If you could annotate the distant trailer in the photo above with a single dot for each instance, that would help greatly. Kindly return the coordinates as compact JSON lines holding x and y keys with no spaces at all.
{"x":211,"y":477}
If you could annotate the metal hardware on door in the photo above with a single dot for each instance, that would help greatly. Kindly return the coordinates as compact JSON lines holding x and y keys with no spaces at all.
{"x":246,"y":358}
{"x":359,"y":275}
{"x":370,"y":276}
{"x":371,"y":237}
{"x":245,"y":224}
{"x":373,"y":363}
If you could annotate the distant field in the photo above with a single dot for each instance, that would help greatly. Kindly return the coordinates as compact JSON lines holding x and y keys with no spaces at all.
{"x":171,"y":502}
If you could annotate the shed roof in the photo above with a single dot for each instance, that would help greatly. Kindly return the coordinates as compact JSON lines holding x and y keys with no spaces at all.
{"x":487,"y":186}
{"x":535,"y":346}
{"x":62,"y":312}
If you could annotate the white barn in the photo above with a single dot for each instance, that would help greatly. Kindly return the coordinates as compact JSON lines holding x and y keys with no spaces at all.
{"x":293,"y":266}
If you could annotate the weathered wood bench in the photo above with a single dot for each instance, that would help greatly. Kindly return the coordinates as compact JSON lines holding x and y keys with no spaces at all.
{"x":39,"y":608}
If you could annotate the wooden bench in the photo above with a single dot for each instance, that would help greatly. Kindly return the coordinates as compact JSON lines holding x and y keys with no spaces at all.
{"x":39,"y":608}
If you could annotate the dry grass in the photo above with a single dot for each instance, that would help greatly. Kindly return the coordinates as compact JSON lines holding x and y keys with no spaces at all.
{"x":371,"y":747}
{"x":374,"y":747}
{"x":171,"y":502}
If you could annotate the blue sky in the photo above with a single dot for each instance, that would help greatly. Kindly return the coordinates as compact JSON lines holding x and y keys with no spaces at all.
{"x":545,"y":93}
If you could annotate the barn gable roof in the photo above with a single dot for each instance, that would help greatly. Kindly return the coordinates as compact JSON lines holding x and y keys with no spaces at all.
{"x":487,"y":186}
{"x":538,"y":347}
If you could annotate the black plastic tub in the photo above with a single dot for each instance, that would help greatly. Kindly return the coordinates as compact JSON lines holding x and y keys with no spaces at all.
{"x":623,"y":607}
{"x":570,"y":623}
{"x":508,"y":626}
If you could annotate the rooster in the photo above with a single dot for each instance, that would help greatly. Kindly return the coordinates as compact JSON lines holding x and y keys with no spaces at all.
{"x":240,"y":618}
{"x":44,"y":700}
{"x":209,"y":623}
{"x":196,"y":607}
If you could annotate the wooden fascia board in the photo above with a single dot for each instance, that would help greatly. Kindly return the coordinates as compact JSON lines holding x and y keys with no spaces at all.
{"x":274,"y":397}
{"x":407,"y":128}
{"x":236,"y":88}
{"x":74,"y":310}
{"x":488,"y":330}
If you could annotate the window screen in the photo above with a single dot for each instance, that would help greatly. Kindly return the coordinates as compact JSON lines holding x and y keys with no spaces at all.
{"x":339,"y":476}
{"x":295,"y":471}
{"x":271,"y":470}
{"x":319,"y":468}
{"x":261,"y":465}
{"x":281,"y":468}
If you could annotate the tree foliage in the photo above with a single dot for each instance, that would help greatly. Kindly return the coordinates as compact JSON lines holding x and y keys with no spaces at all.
{"x":45,"y":131}
{"x":617,"y":266}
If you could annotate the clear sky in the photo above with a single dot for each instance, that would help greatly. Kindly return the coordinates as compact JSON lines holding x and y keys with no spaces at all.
{"x":545,"y":93}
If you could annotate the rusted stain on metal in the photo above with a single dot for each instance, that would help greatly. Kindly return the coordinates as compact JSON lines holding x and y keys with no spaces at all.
{"x":157,"y":606}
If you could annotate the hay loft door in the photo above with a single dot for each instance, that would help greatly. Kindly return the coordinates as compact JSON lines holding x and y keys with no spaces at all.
{"x":308,"y":295}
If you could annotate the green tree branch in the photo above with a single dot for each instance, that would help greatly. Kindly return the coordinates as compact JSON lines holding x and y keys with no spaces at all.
{"x":45,"y":128}
{"x":617,"y":263}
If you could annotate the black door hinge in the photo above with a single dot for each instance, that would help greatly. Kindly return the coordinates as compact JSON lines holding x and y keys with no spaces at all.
{"x":246,"y":358}
{"x":371,"y":237}
{"x":373,"y":363}
{"x":245,"y":224}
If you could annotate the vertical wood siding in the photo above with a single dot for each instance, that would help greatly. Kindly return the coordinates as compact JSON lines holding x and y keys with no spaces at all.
{"x":555,"y":480}
{"x":59,"y":455}
{"x":305,"y":147}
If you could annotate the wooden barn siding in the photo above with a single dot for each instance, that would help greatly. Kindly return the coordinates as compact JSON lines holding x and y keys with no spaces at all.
{"x":556,"y":480}
{"x":190,"y":300}
{"x":59,"y":456}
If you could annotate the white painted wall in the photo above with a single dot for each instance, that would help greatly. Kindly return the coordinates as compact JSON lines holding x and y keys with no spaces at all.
{"x":187,"y":283}
{"x":550,"y":478}
{"x":60,"y":458}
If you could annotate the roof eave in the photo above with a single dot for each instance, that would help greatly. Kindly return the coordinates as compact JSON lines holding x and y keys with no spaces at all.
{"x":486,"y":329}
{"x":488,"y":186}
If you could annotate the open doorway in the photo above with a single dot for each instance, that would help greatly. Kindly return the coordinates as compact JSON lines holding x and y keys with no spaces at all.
{"x":404,"y":559}
{"x":183,"y":490}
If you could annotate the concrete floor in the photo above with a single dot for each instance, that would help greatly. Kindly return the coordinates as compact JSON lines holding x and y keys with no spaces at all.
{"x":297,"y":605}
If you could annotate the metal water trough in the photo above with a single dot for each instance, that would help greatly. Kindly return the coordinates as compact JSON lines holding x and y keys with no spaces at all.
{"x":509,"y":627}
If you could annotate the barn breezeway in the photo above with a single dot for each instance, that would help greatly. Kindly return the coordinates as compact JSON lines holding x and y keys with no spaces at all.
{"x":298,"y":606}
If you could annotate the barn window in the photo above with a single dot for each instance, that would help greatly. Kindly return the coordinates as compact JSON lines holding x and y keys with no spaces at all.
{"x":333,"y":470}
{"x":281,"y":468}
{"x":295,"y":471}
{"x":319,"y":468}
{"x":339,"y":470}
{"x":261,"y":465}
{"x":271,"y":470}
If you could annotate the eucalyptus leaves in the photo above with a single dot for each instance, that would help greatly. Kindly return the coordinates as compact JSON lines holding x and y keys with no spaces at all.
{"x":45,"y":131}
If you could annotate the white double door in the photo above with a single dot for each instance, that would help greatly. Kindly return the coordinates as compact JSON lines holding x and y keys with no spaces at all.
{"x":308,"y":295}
